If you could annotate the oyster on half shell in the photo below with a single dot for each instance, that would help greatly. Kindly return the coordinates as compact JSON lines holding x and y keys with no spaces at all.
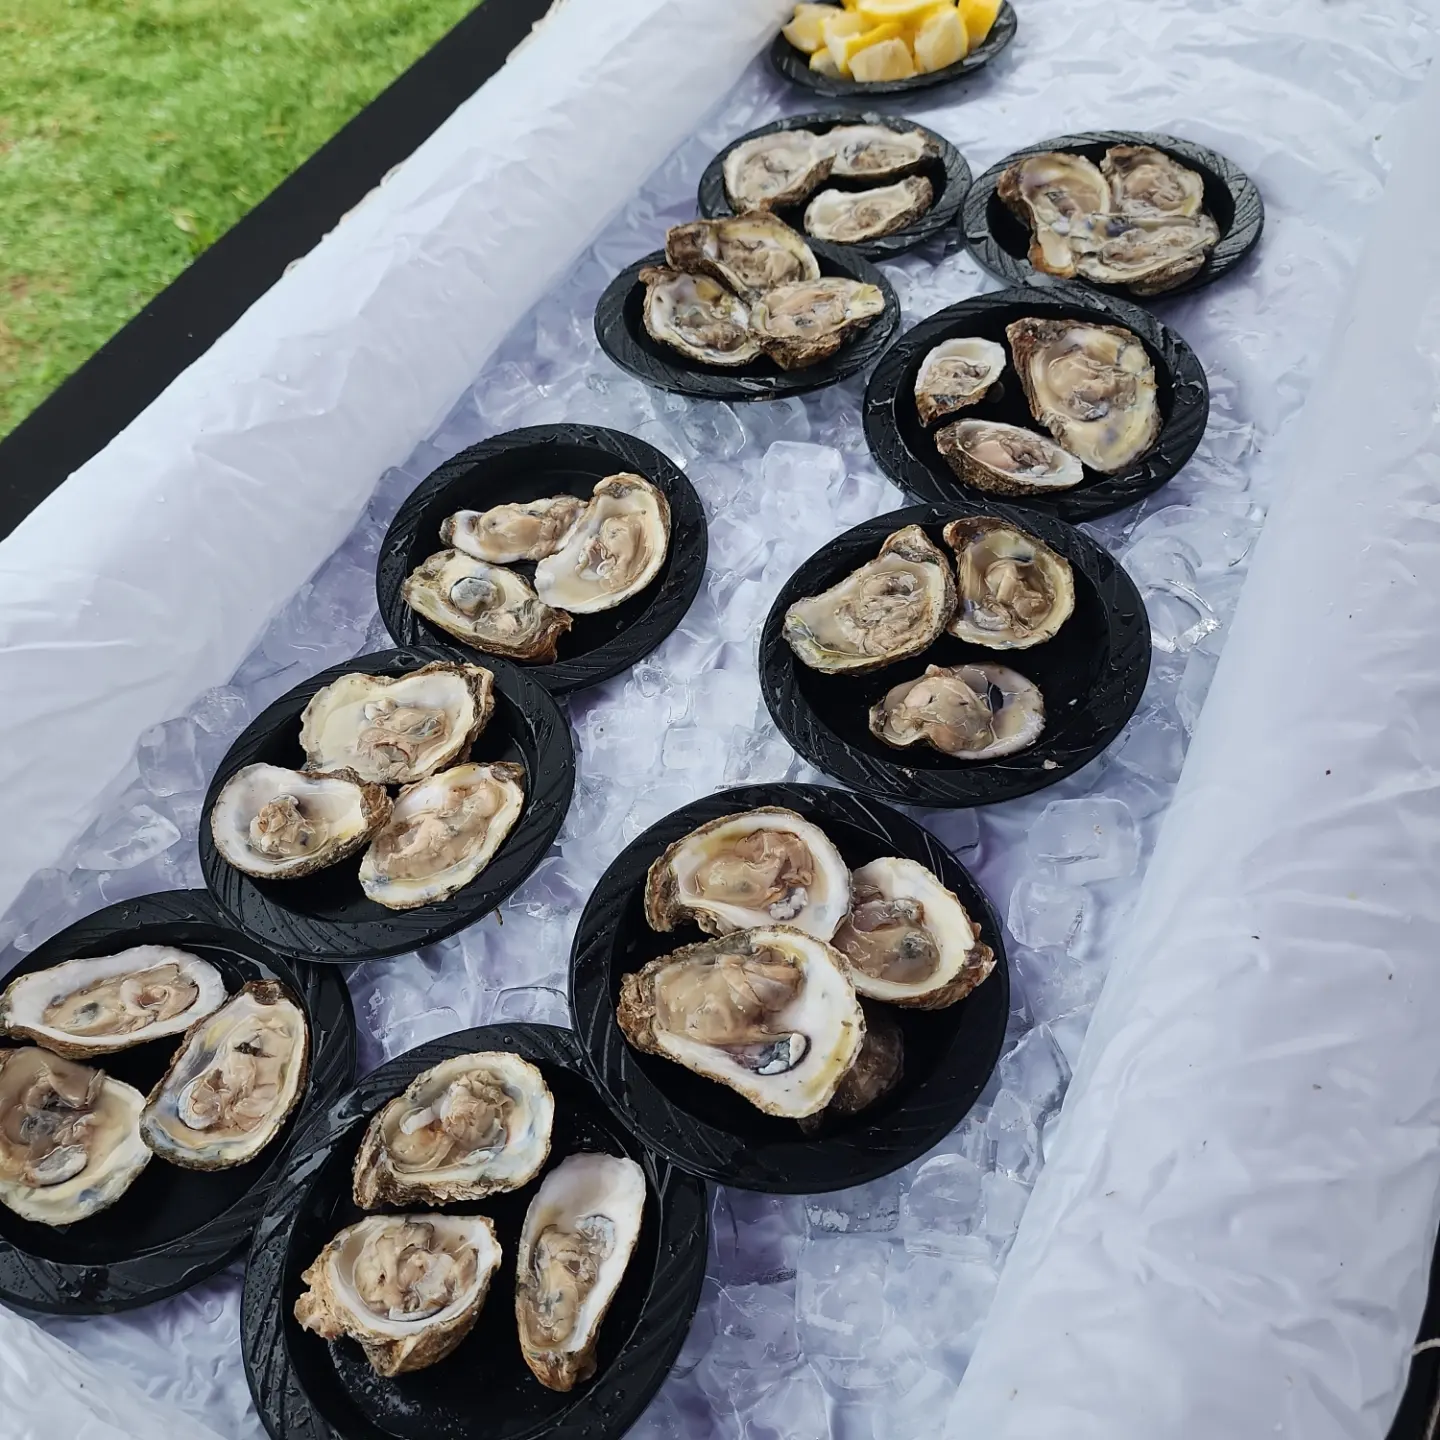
{"x":698,"y":317}
{"x":776,"y":169}
{"x":472,"y":1126}
{"x":486,"y":606}
{"x":769,"y":1012}
{"x":873,"y":152}
{"x":979,"y":711}
{"x":1148,"y":254}
{"x":803,"y":323}
{"x":1014,"y":590}
{"x":1052,"y":193}
{"x":751,"y":253}
{"x":527,"y":530}
{"x":1146,"y":181}
{"x":849,"y":216}
{"x":1006,"y":459}
{"x":955,"y":375}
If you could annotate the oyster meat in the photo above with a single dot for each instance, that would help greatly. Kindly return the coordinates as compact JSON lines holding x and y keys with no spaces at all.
{"x":278,"y":824}
{"x":579,"y":1233}
{"x":442,"y":833}
{"x":1015,"y":591}
{"x":472,"y":1126}
{"x":1146,"y":181}
{"x":1051,"y":193}
{"x":973,"y":712}
{"x":407,"y":1287}
{"x":529,"y":530}
{"x":1148,"y":254}
{"x":776,"y":169}
{"x":891,"y":608}
{"x":848,"y":216}
{"x":233,"y":1082}
{"x":394,"y":732}
{"x":698,"y":317}
{"x":614,"y":550}
{"x":1006,"y":459}
{"x":909,"y":940}
{"x":800,"y":324}
{"x":873,"y":152}
{"x":485,"y":605}
{"x":1091,"y":386}
{"x":878,"y":1069}
{"x":84,"y":1008}
{"x":751,"y":253}
{"x":69,"y":1137}
{"x":762,"y":867}
{"x":770,"y":1012}
{"x":955,"y":375}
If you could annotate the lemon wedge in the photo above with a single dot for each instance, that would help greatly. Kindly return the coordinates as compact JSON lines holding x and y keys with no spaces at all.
{"x":807,"y":30}
{"x":888,"y":59}
{"x":979,"y":16}
{"x":906,"y":12}
{"x":942,"y":40}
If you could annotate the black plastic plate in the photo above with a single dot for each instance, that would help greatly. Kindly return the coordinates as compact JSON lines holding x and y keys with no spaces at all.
{"x":794,"y":65}
{"x":172,"y":1228}
{"x":707,"y":1128}
{"x":1091,"y":674}
{"x":620,"y":328}
{"x":530,"y":464}
{"x":307,"y":1388}
{"x":905,"y":449}
{"x":1000,"y":240}
{"x":326,"y":916}
{"x":946,"y":171}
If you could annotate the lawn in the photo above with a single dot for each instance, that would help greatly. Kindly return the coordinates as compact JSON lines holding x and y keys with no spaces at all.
{"x":133,"y":133}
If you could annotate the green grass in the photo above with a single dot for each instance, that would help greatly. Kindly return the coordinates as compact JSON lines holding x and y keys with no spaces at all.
{"x":133,"y":133}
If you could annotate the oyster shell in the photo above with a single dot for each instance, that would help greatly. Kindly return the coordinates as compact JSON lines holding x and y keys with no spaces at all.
{"x":872,"y":152}
{"x":442,"y":833}
{"x":1146,"y":181}
{"x":776,"y":169}
{"x":698,"y":317}
{"x":394,"y":732}
{"x":1148,"y":254}
{"x":1006,"y":459}
{"x":472,"y":1126}
{"x":233,"y":1082}
{"x":84,"y":1008}
{"x":770,"y":1012}
{"x":529,"y":530}
{"x":848,"y":216}
{"x":579,"y":1233}
{"x":973,"y":712}
{"x":909,"y":940}
{"x":1014,"y":590}
{"x":892,"y":607}
{"x":1091,"y":386}
{"x":69,"y":1137}
{"x":614,"y":550}
{"x":761,"y":867}
{"x":1050,"y":192}
{"x":801,"y":324}
{"x":279,"y":824}
{"x":878,"y":1069}
{"x":751,"y":253}
{"x":487,"y":606}
{"x":407,"y":1287}
{"x":956,"y":374}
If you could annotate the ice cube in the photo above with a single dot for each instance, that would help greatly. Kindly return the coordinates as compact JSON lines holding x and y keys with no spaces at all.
{"x":942,"y":1204}
{"x":1083,"y":840}
{"x":1036,"y":1069}
{"x":1044,"y":916}
{"x":872,"y":1208}
{"x":792,"y":1408}
{"x":130,"y":838}
{"x":169,"y":759}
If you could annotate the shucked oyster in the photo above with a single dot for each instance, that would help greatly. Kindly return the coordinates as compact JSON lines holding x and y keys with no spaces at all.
{"x":751,"y":253}
{"x":69,"y":1137}
{"x":801,"y":324}
{"x":776,"y":169}
{"x":956,"y":374}
{"x":394,"y":732}
{"x":279,"y":824}
{"x":233,"y":1082}
{"x":872,"y":152}
{"x":1051,"y":192}
{"x":1146,"y":181}
{"x":698,"y":317}
{"x":762,"y":867}
{"x":1091,"y":386}
{"x":909,"y":940}
{"x":92,"y":1007}
{"x":770,"y":1012}
{"x":580,"y":1231}
{"x":487,"y":606}
{"x":442,"y":833}
{"x":891,"y":608}
{"x":1006,"y":459}
{"x":973,"y":712}
{"x":1015,"y":591}
{"x":469,"y":1127}
{"x":530,"y":530}
{"x":407,"y":1287}
{"x":1148,"y":254}
{"x":848,"y":216}
{"x":614,"y":550}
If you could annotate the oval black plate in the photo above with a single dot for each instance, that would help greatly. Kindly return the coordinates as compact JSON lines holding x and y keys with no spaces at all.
{"x":1092,"y":674}
{"x":1000,"y":240}
{"x":705,"y":1127}
{"x":620,"y":328}
{"x":528,"y":465}
{"x":947,"y":172}
{"x":172,"y":1228}
{"x":326,"y":916}
{"x":905,"y":449}
{"x":309,"y":1389}
{"x":794,"y":65}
